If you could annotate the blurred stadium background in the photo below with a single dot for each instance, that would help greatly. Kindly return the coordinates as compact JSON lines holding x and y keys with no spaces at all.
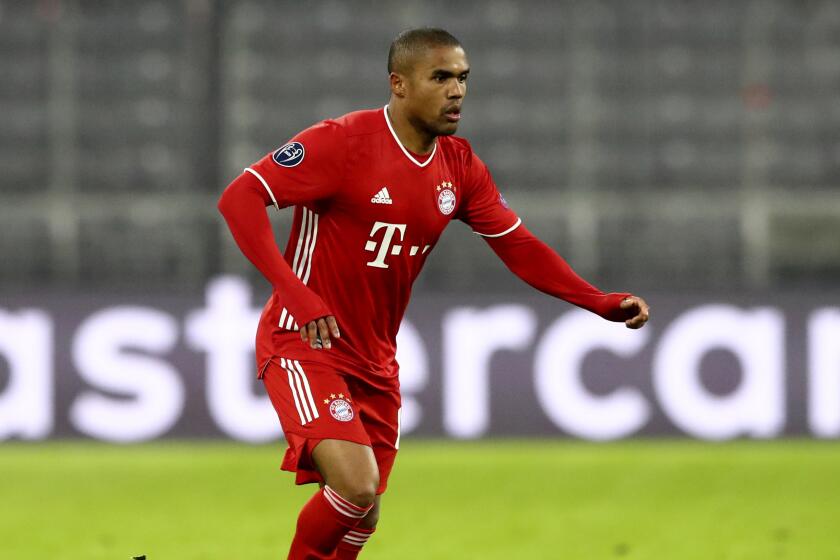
{"x":612,"y":126}
{"x":688,"y":151}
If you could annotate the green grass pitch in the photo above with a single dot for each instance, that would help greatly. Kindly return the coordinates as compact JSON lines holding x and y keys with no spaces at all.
{"x":524,"y":499}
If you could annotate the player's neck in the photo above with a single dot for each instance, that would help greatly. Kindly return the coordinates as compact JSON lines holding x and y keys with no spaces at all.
{"x":414,"y":140}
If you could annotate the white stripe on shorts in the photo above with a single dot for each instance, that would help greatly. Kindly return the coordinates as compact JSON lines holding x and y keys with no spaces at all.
{"x":294,"y":390}
{"x":308,"y":390}
{"x":301,"y":391}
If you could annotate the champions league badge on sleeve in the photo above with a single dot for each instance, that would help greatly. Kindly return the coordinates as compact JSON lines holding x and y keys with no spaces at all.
{"x":446,"y":197}
{"x":289,"y":155}
{"x":340,"y":409}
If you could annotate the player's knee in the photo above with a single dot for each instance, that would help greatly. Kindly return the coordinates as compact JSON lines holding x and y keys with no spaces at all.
{"x":362,"y":491}
{"x":350,"y":470}
{"x":359,"y":490}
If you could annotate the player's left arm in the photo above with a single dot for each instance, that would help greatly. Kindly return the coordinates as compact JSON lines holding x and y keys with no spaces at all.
{"x":487,"y":213}
{"x":537,"y":264}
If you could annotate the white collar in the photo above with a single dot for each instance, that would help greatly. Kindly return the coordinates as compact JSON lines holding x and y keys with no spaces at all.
{"x":406,"y":152}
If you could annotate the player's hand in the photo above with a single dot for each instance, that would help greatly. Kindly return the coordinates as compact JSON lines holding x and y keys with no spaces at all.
{"x":317,"y":333}
{"x":637,"y":310}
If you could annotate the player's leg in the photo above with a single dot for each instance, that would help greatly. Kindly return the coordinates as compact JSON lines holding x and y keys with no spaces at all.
{"x":352,"y":543}
{"x":372,"y":518}
{"x":380,"y":409}
{"x":351,"y":478}
{"x":348,"y":468}
{"x":325,"y":435}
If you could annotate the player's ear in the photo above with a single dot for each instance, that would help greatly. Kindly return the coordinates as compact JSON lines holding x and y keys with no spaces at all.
{"x":397,"y":84}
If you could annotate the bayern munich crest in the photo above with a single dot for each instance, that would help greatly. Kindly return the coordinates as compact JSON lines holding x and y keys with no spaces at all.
{"x":340,"y":407}
{"x":446,"y":197}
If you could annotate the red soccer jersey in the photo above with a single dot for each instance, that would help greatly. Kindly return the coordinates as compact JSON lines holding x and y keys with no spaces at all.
{"x":367,"y":214}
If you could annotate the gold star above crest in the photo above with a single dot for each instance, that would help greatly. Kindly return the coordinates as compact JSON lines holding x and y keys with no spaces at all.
{"x":332,"y":395}
{"x":326,"y":401}
{"x":438,"y":187}
{"x":341,"y":395}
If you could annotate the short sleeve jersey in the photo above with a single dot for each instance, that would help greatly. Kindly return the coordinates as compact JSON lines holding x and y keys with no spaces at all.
{"x":367,"y":213}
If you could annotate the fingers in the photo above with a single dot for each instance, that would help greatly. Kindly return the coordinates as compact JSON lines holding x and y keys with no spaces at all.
{"x":312,"y":335}
{"x":324,"y":333}
{"x":640,"y":310}
{"x":317,"y":333}
{"x":333,"y":327}
{"x":636,"y":322}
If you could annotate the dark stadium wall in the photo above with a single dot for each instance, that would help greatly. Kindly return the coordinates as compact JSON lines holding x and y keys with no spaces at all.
{"x":135,"y":369}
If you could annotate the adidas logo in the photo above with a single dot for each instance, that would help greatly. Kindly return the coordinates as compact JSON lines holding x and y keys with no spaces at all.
{"x":382,"y":197}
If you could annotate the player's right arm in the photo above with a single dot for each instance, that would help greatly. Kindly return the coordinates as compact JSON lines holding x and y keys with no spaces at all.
{"x":305,"y":170}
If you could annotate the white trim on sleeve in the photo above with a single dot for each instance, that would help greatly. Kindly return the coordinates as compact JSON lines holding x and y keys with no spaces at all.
{"x":508,"y":230}
{"x":271,"y":194}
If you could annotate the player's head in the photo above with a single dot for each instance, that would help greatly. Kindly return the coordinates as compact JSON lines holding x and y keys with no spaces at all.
{"x":428,"y":73}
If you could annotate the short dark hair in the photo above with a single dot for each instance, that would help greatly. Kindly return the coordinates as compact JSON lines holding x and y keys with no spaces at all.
{"x":411,"y":42}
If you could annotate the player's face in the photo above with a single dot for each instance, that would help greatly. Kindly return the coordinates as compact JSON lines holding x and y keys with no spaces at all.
{"x":436,"y":88}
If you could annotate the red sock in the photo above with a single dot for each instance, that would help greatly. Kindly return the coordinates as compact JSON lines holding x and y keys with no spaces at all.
{"x":352,"y":543}
{"x":322,"y":523}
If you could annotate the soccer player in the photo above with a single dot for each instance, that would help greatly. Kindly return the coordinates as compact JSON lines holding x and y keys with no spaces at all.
{"x":372,"y":192}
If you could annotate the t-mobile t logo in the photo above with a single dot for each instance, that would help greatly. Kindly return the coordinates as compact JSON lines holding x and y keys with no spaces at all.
{"x":385,"y":244}
{"x":388,"y":244}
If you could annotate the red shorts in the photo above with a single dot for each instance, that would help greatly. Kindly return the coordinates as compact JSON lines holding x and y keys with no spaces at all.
{"x":315,"y":402}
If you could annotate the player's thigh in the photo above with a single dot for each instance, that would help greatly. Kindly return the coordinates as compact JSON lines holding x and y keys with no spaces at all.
{"x":348,"y":468}
{"x":380,"y":411}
